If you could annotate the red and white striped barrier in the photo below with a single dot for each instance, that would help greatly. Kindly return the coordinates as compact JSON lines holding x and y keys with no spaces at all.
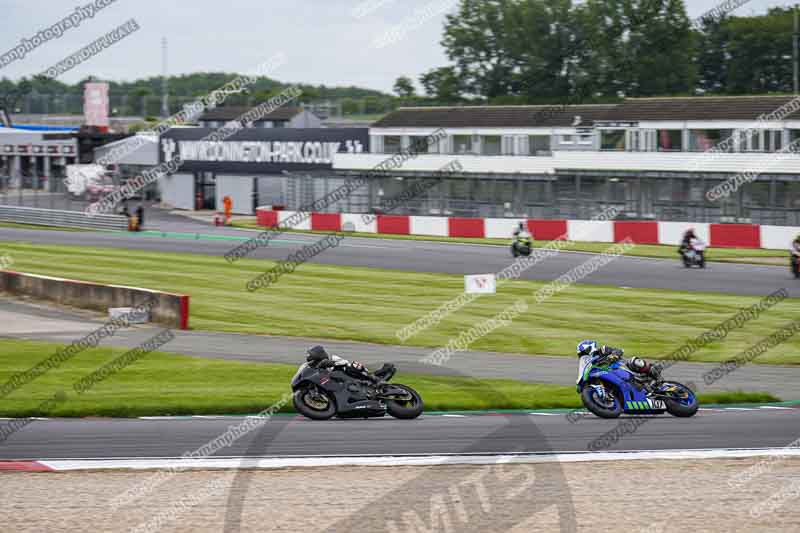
{"x":640,"y":232}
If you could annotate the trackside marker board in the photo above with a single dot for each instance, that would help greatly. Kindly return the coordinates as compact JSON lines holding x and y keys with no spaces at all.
{"x":480,"y":284}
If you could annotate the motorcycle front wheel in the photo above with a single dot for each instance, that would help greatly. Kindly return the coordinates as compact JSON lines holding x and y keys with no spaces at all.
{"x":314,"y":403}
{"x":606,"y":405}
{"x":405,"y":409}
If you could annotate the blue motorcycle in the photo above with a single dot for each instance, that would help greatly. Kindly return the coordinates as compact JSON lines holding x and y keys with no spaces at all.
{"x":609,"y":388}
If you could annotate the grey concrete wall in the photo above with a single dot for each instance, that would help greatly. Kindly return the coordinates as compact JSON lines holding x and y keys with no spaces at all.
{"x":169,"y":309}
{"x":240,"y":189}
{"x":177,"y":191}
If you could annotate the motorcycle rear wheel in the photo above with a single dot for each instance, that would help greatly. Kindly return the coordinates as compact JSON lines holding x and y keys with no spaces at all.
{"x":406,"y":410}
{"x":683,"y":408}
{"x":312,"y":407}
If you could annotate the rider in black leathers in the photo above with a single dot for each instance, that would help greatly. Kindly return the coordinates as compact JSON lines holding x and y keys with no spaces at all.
{"x":318,"y":356}
{"x":686,"y":243}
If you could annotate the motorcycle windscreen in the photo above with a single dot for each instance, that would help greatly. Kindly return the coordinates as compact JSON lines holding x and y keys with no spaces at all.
{"x":299,"y":371}
{"x":583,"y":363}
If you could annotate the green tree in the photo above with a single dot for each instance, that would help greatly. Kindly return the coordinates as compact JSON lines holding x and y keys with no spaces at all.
{"x":712,"y":50}
{"x":476,"y":38}
{"x":404,"y":87}
{"x":442,"y":84}
{"x":758,"y":51}
{"x":636,"y":47}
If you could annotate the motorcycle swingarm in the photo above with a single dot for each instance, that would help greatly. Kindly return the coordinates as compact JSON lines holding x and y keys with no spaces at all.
{"x":391,"y":393}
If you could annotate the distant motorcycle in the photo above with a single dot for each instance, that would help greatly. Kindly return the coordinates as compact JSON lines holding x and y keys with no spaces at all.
{"x":610,"y":388}
{"x":522,"y":244}
{"x":322,"y":393}
{"x":694,"y":254}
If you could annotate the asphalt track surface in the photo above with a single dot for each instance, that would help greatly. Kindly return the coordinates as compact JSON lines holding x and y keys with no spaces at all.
{"x":284,"y":436}
{"x":450,"y":258}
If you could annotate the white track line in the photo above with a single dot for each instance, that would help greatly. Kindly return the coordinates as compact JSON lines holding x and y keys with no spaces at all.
{"x":407,"y":460}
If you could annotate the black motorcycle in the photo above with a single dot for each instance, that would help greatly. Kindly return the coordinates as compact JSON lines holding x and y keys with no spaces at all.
{"x":694,"y":254}
{"x":795,"y":264}
{"x":322,"y":393}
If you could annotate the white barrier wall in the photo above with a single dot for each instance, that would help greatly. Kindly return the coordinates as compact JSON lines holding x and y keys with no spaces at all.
{"x":778,"y":237}
{"x":672,"y":232}
{"x":590,"y":230}
{"x":304,"y":225}
{"x":436,"y":226}
{"x":351,"y":222}
{"x":502,"y":228}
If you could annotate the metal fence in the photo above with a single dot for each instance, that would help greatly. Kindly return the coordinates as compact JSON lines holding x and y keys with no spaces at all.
{"x":67,"y":219}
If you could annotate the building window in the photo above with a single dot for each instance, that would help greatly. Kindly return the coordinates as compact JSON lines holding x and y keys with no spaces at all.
{"x":280,"y":124}
{"x":420,"y":144}
{"x":462,"y":144}
{"x":392,"y":144}
{"x":567,"y":139}
{"x":704,"y":140}
{"x":773,"y":140}
{"x":490,"y":145}
{"x":586,"y":138}
{"x":612,"y":140}
{"x":539,"y":144}
{"x":750,"y":141}
{"x":670,"y":140}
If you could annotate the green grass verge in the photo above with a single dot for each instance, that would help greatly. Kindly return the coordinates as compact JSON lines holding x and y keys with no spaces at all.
{"x":169,"y":384}
{"x":658,"y":251}
{"x":16,"y":225}
{"x":367,"y":304}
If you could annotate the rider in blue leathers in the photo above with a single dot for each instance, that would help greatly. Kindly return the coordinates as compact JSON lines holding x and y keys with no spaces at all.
{"x":589,"y":352}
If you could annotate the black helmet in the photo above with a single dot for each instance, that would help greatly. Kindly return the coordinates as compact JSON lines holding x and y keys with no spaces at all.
{"x":317,"y":354}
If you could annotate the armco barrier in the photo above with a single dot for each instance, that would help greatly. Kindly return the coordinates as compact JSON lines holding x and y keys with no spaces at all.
{"x":326,"y":222}
{"x":467,"y":227}
{"x":67,"y":219}
{"x":640,"y":232}
{"x":548,"y":230}
{"x":267,"y":218}
{"x":396,"y":225}
{"x":170,"y":309}
{"x":735,"y":236}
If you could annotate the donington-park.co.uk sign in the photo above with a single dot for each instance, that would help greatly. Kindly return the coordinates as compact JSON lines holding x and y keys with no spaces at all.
{"x":255,"y":150}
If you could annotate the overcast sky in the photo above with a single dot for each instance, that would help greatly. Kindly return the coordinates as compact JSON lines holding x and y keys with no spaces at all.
{"x":333,"y":42}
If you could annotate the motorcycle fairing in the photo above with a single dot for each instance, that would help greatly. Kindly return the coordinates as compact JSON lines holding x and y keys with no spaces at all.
{"x":349,"y":403}
{"x":636,"y":400}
